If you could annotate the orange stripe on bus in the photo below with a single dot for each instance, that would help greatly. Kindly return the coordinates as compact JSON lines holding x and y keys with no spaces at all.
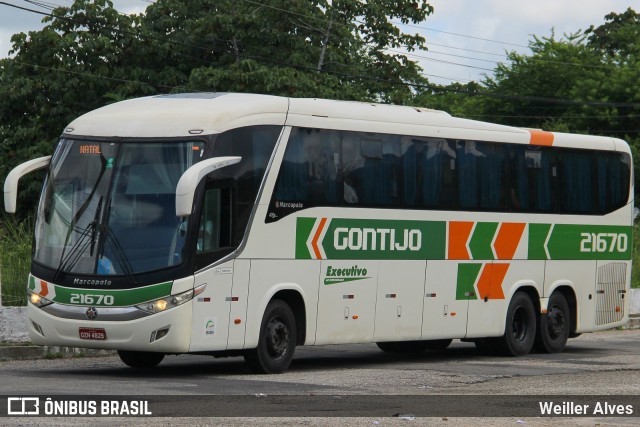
{"x":490,"y":282}
{"x":540,"y":137}
{"x":314,"y":242}
{"x":459,"y":232}
{"x":507,"y":239}
{"x":45,"y":288}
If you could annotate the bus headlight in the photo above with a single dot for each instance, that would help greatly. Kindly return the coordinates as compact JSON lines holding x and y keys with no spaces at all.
{"x":163,"y":304}
{"x":37,"y":300}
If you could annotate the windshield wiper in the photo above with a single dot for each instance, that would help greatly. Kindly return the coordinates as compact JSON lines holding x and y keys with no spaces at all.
{"x":95,"y":227}
{"x":66,"y":262}
{"x":75,"y":253}
{"x":122,"y":259}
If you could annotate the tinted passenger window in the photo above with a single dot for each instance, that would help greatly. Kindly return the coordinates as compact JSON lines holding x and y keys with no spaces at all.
{"x":577,"y":176}
{"x":370,"y":169}
{"x":613,"y":180}
{"x":533,"y":184}
{"x":429,"y":172}
{"x":340,"y":168}
{"x":309,"y":171}
{"x":481,"y":175}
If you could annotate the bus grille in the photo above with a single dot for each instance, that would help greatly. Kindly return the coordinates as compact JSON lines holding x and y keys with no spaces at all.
{"x":610,"y":291}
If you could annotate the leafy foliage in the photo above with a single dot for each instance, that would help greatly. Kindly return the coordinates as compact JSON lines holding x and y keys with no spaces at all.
{"x":89,"y":55}
{"x":15,"y":255}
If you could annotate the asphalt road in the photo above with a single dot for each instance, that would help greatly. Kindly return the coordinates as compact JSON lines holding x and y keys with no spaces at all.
{"x":604,"y":363}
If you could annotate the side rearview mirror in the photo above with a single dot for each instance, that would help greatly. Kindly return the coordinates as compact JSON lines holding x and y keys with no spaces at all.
{"x":192,"y":177}
{"x":11,"y":183}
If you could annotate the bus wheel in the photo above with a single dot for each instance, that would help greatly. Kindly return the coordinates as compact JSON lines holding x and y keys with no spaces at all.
{"x":277,"y":341}
{"x":403,"y":347}
{"x":140,"y":359}
{"x":553,"y":329}
{"x":520,"y":328}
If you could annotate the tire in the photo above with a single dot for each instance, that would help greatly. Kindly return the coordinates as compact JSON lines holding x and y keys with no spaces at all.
{"x":554,"y":326}
{"x":277,"y":340}
{"x":140,"y":359}
{"x":520,"y":327}
{"x":403,"y":347}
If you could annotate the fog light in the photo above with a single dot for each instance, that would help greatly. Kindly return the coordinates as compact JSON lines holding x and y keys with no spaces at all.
{"x":159,"y":333}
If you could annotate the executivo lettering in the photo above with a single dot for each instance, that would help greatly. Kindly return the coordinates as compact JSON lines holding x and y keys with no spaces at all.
{"x":341,"y":275}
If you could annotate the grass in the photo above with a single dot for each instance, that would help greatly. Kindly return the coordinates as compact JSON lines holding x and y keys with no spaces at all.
{"x":15,"y":260}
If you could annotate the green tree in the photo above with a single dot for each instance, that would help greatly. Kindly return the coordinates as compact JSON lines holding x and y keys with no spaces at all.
{"x":333,"y":49}
{"x":88,"y":55}
{"x":65,"y":69}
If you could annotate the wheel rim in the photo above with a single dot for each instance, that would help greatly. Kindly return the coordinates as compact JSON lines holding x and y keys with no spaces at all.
{"x":277,"y":338}
{"x":520,"y":324}
{"x":555,"y":322}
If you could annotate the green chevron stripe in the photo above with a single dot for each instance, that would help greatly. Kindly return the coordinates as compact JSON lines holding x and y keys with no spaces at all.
{"x":304,"y":227}
{"x":467,"y":275}
{"x":537,"y":236}
{"x":480,"y":243}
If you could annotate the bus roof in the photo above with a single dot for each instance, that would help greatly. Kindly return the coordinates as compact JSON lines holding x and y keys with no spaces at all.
{"x":188,"y":114}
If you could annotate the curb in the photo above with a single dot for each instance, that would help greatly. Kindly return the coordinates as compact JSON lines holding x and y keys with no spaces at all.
{"x":27,"y":352}
{"x":634,"y":322}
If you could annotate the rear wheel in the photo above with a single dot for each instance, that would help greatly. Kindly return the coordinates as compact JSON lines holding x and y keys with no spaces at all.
{"x":520,"y":328}
{"x":140,"y":359}
{"x":554,"y":325}
{"x":277,"y":341}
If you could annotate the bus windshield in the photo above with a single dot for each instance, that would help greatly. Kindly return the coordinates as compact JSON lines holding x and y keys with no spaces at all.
{"x":109,"y":207}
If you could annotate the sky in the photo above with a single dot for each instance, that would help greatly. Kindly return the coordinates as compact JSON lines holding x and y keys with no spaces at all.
{"x":468,"y":35}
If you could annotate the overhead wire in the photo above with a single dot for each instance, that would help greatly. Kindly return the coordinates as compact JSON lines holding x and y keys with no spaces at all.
{"x":85,"y":74}
{"x":348,"y":75}
{"x":53,"y":5}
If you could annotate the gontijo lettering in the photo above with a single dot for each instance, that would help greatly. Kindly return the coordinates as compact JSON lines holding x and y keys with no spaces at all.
{"x":350,"y":238}
{"x":376,"y":238}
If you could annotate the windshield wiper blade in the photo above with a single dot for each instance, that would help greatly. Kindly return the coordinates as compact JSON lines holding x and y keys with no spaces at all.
{"x":95,"y":226}
{"x":75,"y":252}
{"x":120,"y":256}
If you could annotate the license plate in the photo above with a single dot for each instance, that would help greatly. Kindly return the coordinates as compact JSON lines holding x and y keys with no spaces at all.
{"x":92,"y":334}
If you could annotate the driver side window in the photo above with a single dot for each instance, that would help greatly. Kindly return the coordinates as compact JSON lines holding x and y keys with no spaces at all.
{"x":215,"y":229}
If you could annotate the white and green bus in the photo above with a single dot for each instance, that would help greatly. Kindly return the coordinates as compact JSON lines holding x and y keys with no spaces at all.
{"x":239,"y":224}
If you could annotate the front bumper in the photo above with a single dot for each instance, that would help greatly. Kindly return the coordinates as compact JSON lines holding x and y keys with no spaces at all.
{"x":134,"y":335}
